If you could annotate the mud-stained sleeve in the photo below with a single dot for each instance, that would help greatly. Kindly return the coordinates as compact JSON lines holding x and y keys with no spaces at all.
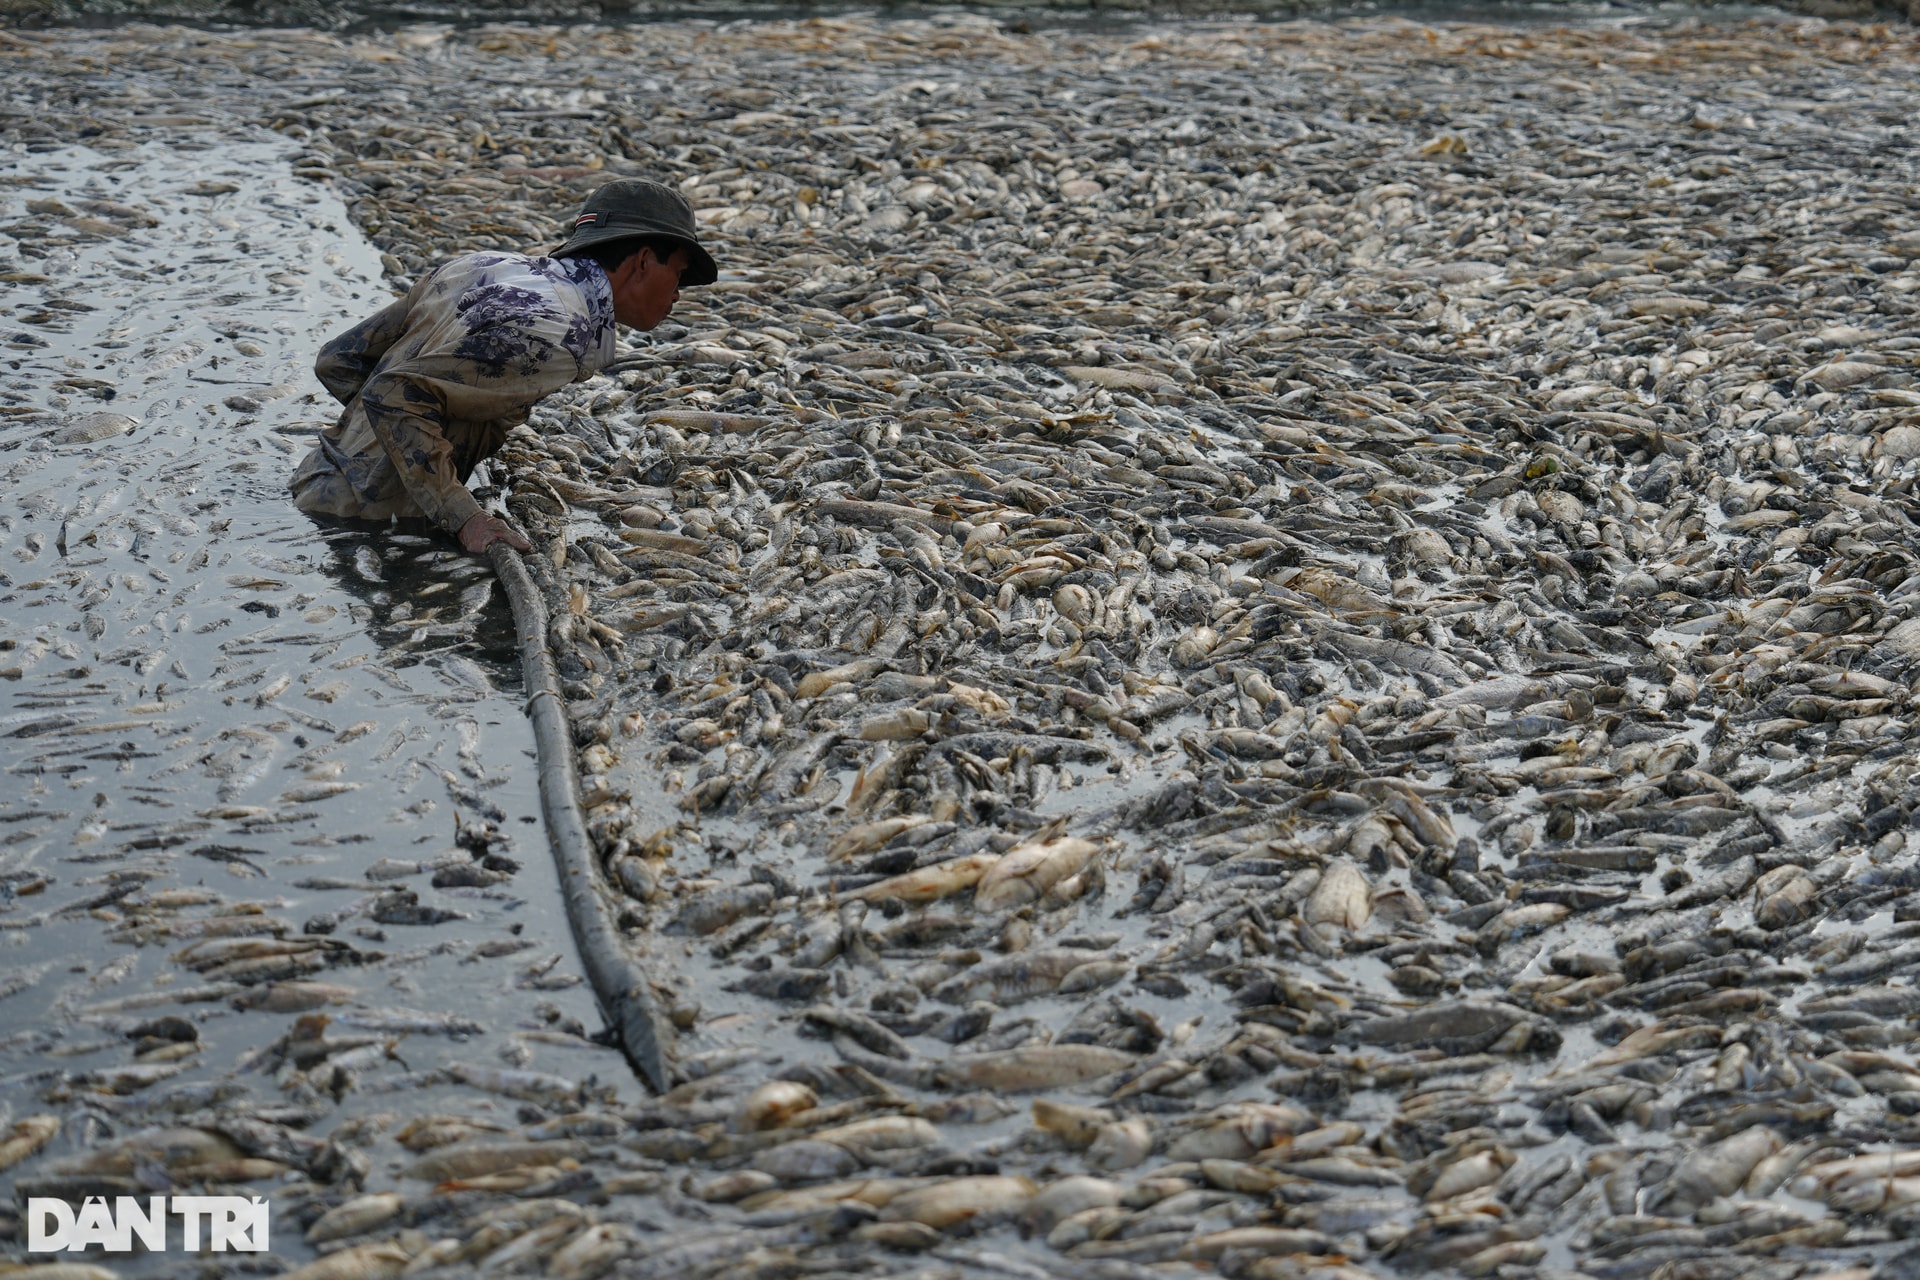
{"x":410,"y":404}
{"x":345,"y":363}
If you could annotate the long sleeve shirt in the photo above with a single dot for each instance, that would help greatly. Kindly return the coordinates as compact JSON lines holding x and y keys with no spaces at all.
{"x":433,"y":382}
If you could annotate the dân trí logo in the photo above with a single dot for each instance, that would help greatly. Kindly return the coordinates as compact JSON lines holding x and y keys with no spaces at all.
{"x":232,"y":1222}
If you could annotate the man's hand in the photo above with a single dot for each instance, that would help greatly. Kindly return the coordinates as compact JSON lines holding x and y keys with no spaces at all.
{"x":483,"y":530}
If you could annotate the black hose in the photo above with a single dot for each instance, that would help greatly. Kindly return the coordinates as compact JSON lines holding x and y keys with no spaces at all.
{"x":626,"y":999}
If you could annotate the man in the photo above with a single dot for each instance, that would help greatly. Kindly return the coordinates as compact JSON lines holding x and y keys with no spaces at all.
{"x":433,"y":383}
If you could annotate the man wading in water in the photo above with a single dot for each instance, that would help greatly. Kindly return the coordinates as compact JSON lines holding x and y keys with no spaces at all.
{"x":433,"y":383}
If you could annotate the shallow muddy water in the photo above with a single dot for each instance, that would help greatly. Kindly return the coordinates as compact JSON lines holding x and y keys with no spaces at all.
{"x":221,"y":718}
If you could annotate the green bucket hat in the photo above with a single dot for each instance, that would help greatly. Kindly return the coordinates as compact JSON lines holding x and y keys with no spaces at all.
{"x":639,"y":208}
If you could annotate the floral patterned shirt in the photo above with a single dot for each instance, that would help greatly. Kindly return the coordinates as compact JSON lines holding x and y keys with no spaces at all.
{"x":433,"y":382}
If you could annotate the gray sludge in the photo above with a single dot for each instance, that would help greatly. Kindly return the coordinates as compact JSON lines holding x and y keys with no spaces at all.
{"x":263,"y":796}
{"x":1266,"y":650}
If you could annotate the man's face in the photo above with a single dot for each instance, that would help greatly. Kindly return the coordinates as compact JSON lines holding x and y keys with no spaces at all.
{"x":645,"y":288}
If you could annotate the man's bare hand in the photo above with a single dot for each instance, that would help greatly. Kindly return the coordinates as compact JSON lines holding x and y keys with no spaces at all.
{"x":483,"y":530}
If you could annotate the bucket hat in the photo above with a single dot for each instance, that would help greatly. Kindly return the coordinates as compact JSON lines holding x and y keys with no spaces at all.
{"x":632,"y":208}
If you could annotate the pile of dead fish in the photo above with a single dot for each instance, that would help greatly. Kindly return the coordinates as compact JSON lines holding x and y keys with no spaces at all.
{"x":1271,"y":648}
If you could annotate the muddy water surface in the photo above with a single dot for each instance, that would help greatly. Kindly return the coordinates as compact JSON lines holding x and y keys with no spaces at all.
{"x":256,"y":769}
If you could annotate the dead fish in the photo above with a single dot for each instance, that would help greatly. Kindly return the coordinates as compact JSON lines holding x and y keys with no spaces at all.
{"x":1033,"y":1068}
{"x":374,"y":1261}
{"x":356,"y":1217}
{"x":293,"y":996}
{"x":472,"y":1159}
{"x":26,"y":1137}
{"x":928,"y":884}
{"x":1568,"y":595}
{"x":1341,"y":899}
{"x":1023,"y":976}
{"x":958,"y":1200}
{"x":92,"y":428}
{"x":1028,"y":870}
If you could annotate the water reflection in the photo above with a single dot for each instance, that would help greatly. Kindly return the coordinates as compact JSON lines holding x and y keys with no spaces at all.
{"x":420,"y":597}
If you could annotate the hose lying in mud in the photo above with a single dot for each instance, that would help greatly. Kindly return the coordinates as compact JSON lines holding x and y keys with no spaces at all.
{"x":618,"y":983}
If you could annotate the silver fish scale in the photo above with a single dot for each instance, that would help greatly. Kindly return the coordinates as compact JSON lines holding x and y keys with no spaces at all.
{"x":1389,"y":540}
